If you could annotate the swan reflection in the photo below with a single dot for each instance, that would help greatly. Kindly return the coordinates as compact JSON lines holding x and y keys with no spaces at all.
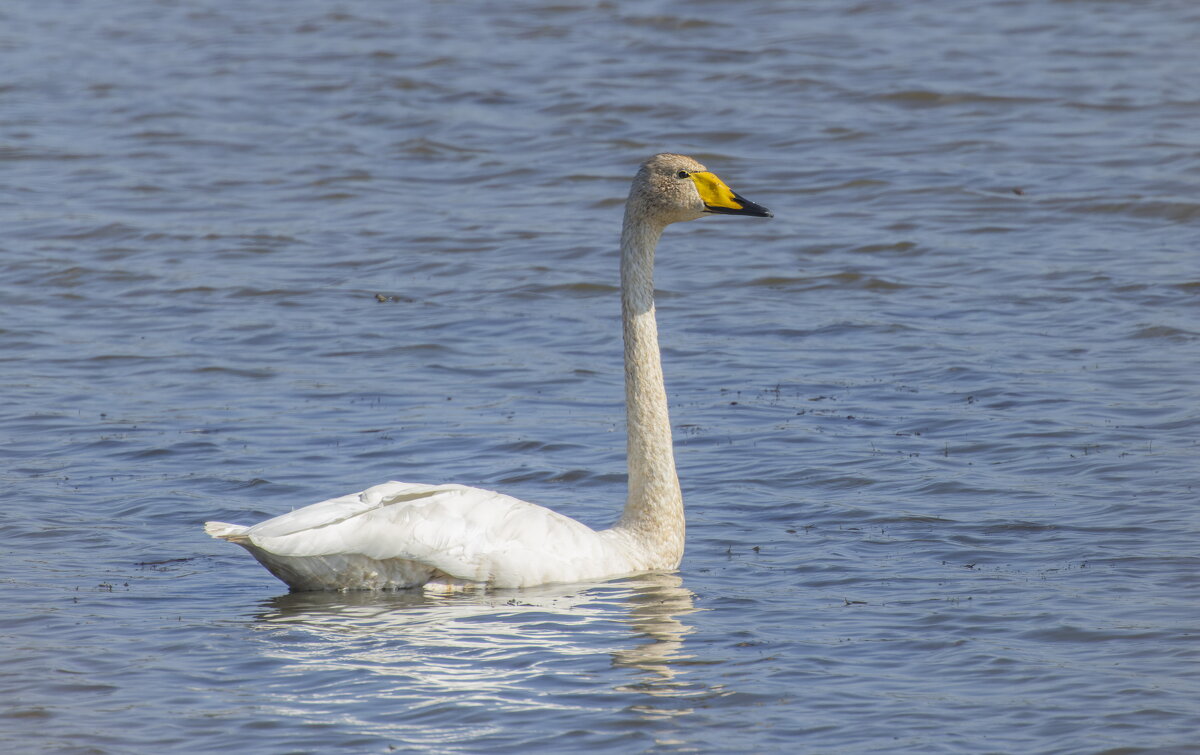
{"x":565,"y":649}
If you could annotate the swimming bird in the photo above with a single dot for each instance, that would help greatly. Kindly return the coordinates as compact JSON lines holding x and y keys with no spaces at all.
{"x":406,"y":535}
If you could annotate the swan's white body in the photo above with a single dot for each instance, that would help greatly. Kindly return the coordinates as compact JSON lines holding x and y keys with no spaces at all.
{"x":399,"y":534}
{"x":403,"y":535}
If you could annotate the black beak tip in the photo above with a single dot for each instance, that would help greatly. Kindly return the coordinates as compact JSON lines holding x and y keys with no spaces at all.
{"x":755,"y":210}
{"x":747,"y":208}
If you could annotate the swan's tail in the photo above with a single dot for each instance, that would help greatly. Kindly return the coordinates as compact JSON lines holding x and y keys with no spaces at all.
{"x":234,"y":533}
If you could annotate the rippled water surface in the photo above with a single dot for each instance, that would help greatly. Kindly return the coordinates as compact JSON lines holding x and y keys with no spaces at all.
{"x":936,"y":422}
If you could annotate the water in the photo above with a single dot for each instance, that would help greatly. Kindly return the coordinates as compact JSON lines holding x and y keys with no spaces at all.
{"x":936,"y":422}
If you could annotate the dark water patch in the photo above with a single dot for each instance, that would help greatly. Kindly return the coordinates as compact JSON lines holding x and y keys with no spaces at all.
{"x":270,"y":293}
{"x":844,"y":280}
{"x":1175,"y":211}
{"x":930,"y":98}
{"x":527,"y":446}
{"x":905,"y":248}
{"x":1164,"y":332}
{"x":241,"y":372}
{"x":11,"y":153}
{"x":582,"y":289}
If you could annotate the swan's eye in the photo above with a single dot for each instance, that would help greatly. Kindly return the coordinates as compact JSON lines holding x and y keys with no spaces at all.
{"x":682,"y":174}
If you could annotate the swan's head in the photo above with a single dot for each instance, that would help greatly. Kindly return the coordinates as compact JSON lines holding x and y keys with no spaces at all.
{"x":672,"y":188}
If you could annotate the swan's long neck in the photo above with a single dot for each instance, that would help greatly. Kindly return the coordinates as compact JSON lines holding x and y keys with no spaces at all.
{"x":654,"y":508}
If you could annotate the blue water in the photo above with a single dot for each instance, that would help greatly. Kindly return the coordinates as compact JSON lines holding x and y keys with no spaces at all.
{"x":936,"y":422}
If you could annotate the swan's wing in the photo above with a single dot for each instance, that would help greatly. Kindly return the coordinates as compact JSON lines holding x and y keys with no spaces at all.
{"x":467,"y":533}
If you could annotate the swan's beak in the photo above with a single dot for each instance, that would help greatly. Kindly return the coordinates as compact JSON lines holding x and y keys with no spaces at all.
{"x":719,"y":198}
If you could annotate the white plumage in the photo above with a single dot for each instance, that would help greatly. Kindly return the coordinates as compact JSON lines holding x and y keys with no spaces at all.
{"x":403,"y":535}
{"x":399,"y":534}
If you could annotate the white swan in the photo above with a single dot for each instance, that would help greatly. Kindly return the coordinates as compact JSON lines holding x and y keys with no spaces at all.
{"x":402,"y":535}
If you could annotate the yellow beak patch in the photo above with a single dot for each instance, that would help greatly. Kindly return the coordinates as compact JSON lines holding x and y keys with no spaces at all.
{"x":714,"y":192}
{"x":722,"y":200}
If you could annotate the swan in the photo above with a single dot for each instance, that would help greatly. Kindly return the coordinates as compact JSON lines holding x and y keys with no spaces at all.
{"x":406,"y":535}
